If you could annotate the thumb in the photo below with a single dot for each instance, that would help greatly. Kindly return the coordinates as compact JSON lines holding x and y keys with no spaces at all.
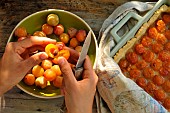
{"x":67,"y":73}
{"x":33,"y":60}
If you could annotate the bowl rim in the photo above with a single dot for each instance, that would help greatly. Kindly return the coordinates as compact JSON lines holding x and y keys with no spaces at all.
{"x":43,"y":97}
{"x":49,"y":10}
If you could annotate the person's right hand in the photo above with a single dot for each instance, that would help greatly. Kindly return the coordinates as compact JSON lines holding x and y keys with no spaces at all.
{"x":16,"y":61}
{"x":79,"y":95}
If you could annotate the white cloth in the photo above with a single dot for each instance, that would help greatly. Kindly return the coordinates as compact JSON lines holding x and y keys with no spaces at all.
{"x":2,"y":103}
{"x":116,"y":93}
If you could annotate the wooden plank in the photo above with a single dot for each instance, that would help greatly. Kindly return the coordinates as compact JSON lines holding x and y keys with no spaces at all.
{"x":19,"y":102}
{"x":94,"y":12}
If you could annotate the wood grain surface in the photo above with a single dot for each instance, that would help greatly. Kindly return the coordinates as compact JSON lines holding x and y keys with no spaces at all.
{"x":94,"y":12}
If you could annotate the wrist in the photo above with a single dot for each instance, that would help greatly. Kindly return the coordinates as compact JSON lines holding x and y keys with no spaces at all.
{"x":4,"y":84}
{"x":83,"y":109}
{"x":4,"y":87}
{"x":80,"y":111}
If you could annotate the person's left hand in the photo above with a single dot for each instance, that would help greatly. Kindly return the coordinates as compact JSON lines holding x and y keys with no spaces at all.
{"x":16,"y":62}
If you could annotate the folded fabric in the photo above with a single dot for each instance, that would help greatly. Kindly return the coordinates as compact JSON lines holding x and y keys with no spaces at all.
{"x":116,"y":93}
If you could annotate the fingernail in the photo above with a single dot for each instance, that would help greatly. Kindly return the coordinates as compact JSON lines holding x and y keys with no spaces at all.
{"x":61,"y":60}
{"x":43,"y":56}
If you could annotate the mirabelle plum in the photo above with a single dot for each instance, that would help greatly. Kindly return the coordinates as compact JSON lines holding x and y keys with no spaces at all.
{"x":156,"y":64}
{"x":29,"y":79}
{"x":47,"y":29}
{"x":58,"y":29}
{"x":146,"y":41}
{"x":39,"y":33}
{"x":72,"y":32}
{"x":141,"y":81}
{"x":55,"y":60}
{"x":159,"y":94}
{"x":158,"y":80}
{"x":166,"y":86}
{"x":62,"y":53}
{"x":74,"y":42}
{"x":167,"y":34}
{"x":58,"y":81}
{"x":20,"y":32}
{"x":81,"y":35}
{"x":152,"y":32}
{"x":167,"y":103}
{"x":50,"y":75}
{"x":161,"y":39}
{"x":64,"y":37}
{"x":148,"y":73}
{"x":56,"y":69}
{"x":132,"y":57}
{"x":78,"y":48}
{"x":51,"y":50}
{"x":41,"y":82}
{"x":37,"y":71}
{"x":148,"y":56}
{"x":134,"y":73}
{"x":60,"y":45}
{"x":139,"y":48}
{"x":167,"y":46}
{"x":166,"y":18}
{"x":123,"y":63}
{"x":157,"y":47}
{"x":46,"y":64}
{"x":52,"y":19}
{"x":161,"y":26}
{"x":150,"y":87}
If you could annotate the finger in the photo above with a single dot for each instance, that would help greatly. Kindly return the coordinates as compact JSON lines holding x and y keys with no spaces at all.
{"x":67,"y":73}
{"x":88,"y":64}
{"x":29,"y":42}
{"x":25,"y":55}
{"x":89,"y":73}
{"x":63,"y":88}
{"x":88,"y":68}
{"x":33,"y":60}
{"x":35,"y":48}
{"x":31,"y":51}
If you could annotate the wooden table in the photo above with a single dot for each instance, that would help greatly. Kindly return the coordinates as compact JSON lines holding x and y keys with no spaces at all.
{"x":94,"y":12}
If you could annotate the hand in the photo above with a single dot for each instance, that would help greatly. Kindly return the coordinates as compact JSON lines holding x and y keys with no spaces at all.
{"x":79,"y":95}
{"x":16,"y":62}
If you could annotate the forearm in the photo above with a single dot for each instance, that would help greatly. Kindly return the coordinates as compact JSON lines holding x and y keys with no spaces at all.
{"x":4,"y":84}
{"x":1,"y":83}
{"x":83,"y":107}
{"x":3,"y":88}
{"x":79,"y":110}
